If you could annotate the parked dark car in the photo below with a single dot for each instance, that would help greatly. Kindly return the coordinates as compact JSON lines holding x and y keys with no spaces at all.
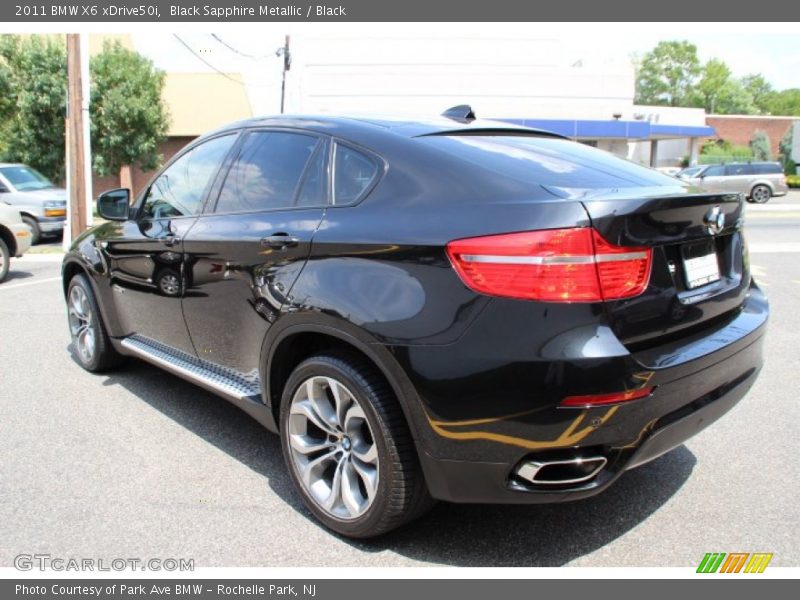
{"x":455,"y":309}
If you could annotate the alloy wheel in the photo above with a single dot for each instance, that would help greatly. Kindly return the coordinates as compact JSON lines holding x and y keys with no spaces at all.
{"x":761,"y":194}
{"x":81,"y":323}
{"x":332,"y":448}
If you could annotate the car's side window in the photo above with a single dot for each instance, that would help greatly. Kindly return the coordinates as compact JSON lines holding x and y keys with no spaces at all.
{"x":314,"y":187}
{"x":353,"y":171}
{"x":179,"y":191}
{"x":739,"y":170}
{"x":266,"y":171}
{"x":715,"y":171}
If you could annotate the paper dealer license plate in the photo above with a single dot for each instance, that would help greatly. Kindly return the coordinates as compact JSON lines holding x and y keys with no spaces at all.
{"x":700,"y":264}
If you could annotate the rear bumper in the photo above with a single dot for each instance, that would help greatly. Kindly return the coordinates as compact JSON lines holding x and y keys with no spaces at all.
{"x":689,"y":397}
{"x":489,"y":482}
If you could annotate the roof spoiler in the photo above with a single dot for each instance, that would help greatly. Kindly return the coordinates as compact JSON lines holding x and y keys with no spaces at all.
{"x":462,"y":113}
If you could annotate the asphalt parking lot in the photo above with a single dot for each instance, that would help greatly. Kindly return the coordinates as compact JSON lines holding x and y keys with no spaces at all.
{"x":139,"y":463}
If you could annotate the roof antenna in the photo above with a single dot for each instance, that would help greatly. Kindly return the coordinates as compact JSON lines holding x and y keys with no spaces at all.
{"x":462,"y":113}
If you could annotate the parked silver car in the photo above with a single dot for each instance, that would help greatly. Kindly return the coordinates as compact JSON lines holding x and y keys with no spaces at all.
{"x":42,"y":204}
{"x":759,"y":181}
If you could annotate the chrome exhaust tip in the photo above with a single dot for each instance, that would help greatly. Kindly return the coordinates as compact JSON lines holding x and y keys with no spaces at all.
{"x":561,"y":472}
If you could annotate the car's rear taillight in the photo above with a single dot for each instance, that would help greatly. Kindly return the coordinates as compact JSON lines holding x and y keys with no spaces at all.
{"x":554,"y":265}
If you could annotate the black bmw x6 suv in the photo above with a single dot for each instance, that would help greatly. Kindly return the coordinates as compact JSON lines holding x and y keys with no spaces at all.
{"x":451,"y":309}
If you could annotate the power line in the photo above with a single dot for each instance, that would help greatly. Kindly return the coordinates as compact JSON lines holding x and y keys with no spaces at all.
{"x":204,"y":61}
{"x":239,"y":52}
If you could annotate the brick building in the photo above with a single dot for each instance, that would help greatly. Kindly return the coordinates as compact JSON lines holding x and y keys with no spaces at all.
{"x":739,"y":129}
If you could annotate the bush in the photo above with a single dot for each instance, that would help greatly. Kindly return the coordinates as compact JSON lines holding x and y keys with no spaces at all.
{"x":716,"y":159}
{"x":722,"y":151}
{"x":761,"y":146}
{"x":793,"y":181}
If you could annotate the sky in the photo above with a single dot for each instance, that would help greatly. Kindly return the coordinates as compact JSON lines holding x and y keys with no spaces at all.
{"x":773,"y":50}
{"x":775,"y":55}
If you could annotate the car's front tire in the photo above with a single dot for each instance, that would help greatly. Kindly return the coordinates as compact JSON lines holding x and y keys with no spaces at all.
{"x":761,"y":194}
{"x":90,"y":341}
{"x":36,"y":232}
{"x":348,"y":448}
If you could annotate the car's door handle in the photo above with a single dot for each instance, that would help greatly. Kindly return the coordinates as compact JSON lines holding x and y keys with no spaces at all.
{"x":279,"y":240}
{"x":170,"y":240}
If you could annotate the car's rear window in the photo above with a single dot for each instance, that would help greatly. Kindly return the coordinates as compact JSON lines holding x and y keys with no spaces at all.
{"x":549,"y":161}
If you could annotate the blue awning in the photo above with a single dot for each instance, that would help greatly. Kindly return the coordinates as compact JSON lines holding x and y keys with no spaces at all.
{"x":614,"y":129}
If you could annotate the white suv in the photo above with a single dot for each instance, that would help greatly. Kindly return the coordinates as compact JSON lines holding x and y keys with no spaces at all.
{"x":15,"y":237}
{"x":43,"y":204}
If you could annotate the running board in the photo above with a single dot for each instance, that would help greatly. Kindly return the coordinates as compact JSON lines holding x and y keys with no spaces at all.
{"x":242,"y":390}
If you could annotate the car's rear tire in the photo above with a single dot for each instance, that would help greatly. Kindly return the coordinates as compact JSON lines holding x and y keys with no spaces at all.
{"x":5,"y":260}
{"x":36,"y":233}
{"x":90,"y":341}
{"x":348,"y":447}
{"x":760,"y":194}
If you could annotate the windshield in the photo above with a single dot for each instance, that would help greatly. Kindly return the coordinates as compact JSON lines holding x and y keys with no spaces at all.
{"x":25,"y":179}
{"x":690,"y":172}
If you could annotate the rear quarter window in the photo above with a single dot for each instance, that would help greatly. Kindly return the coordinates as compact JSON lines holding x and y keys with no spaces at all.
{"x":768,"y":169}
{"x":354,"y":172}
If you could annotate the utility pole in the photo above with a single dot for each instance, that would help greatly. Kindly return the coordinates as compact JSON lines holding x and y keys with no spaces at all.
{"x":76,"y":141}
{"x":287,"y":64}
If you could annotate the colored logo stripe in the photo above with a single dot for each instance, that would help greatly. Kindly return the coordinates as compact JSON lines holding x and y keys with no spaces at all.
{"x":758,"y":562}
{"x":712,"y":561}
{"x":734,"y":562}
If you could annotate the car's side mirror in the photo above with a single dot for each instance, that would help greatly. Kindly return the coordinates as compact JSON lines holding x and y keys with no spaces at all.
{"x":113,"y":205}
{"x":3,"y":189}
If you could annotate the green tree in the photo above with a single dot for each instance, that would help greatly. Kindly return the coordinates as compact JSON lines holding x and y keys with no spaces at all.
{"x":785,"y":102}
{"x":667,"y":74}
{"x":716,"y":77}
{"x":718,"y":92}
{"x":7,"y":105}
{"x":128,"y":116}
{"x":734,"y":99}
{"x":760,"y":146}
{"x":35,"y":70}
{"x":760,"y":90}
{"x":785,"y":148}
